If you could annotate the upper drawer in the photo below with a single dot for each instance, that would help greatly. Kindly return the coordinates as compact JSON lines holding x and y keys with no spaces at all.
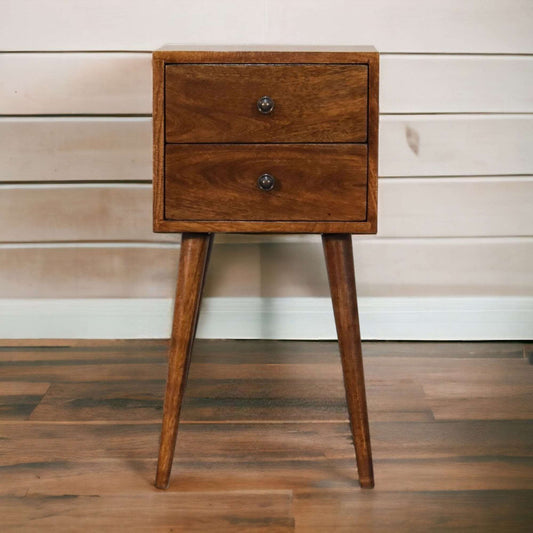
{"x":217,"y":103}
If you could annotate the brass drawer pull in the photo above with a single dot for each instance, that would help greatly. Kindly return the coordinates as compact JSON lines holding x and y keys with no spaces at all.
{"x":265,"y":105}
{"x":266,"y":182}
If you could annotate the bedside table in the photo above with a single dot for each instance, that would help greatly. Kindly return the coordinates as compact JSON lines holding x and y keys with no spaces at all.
{"x":266,"y":141}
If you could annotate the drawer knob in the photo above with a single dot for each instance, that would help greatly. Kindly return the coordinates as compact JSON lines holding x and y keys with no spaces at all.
{"x":265,"y":105}
{"x":266,"y":182}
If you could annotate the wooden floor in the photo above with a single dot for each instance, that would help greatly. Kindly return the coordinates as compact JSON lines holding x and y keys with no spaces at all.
{"x":264,"y":444}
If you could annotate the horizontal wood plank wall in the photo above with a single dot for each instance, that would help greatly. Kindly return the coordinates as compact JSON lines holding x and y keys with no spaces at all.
{"x":119,"y":148}
{"x":121,"y":83}
{"x":456,"y":168}
{"x":450,"y":207}
{"x":386,"y":267}
{"x":476,"y":26}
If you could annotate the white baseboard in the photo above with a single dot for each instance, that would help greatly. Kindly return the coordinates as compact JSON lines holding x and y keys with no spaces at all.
{"x":481,"y":318}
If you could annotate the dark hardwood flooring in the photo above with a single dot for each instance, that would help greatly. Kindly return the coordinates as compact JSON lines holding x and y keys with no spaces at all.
{"x":264,"y":443}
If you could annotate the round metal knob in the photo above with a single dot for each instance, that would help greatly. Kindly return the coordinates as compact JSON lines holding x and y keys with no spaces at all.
{"x":266,"y":182}
{"x":265,"y":105}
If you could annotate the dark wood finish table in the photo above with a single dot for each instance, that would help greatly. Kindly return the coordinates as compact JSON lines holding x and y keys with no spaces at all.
{"x":266,"y":141}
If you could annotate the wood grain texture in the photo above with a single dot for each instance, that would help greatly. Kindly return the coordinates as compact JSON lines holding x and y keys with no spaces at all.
{"x":194,"y":257}
{"x":339,"y":263}
{"x":263,"y":227}
{"x":405,"y":267}
{"x":454,"y":207}
{"x":263,"y":53}
{"x":215,"y":102}
{"x":269,"y":443}
{"x":387,"y":267}
{"x":500,"y":27}
{"x":289,"y":398}
{"x":80,"y":83}
{"x":218,"y":182}
{"x":74,"y":271}
{"x":256,"y":511}
{"x":481,"y":401}
{"x":269,"y":473}
{"x":77,"y":212}
{"x":455,"y":145}
{"x":373,"y":141}
{"x":89,"y":477}
{"x":75,"y":83}
{"x":75,"y":149}
{"x":450,"y":207}
{"x":405,"y":27}
{"x":430,"y":83}
{"x":312,"y":103}
{"x":435,"y":511}
{"x":129,"y":26}
{"x":158,"y":139}
{"x":19,"y":399}
{"x":63,"y":149}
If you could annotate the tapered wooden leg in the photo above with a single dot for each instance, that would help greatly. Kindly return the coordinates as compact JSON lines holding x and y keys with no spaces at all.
{"x":339,"y":261}
{"x":194,"y":255}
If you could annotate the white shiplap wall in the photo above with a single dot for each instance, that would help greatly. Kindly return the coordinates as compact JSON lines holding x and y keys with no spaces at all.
{"x":454,"y":255}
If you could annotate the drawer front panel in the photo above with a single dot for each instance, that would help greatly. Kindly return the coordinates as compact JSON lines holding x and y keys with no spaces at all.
{"x":312,"y":103}
{"x":317,"y":182}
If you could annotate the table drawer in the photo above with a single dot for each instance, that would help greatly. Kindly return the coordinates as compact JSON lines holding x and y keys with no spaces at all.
{"x":318,"y":182}
{"x":217,"y":103}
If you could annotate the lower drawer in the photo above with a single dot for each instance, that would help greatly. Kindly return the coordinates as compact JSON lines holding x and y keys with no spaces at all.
{"x":312,"y":182}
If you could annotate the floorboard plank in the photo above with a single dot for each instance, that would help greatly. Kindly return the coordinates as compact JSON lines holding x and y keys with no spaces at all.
{"x":283,"y":399}
{"x":414,"y":511}
{"x":114,"y":476}
{"x":254,"y":511}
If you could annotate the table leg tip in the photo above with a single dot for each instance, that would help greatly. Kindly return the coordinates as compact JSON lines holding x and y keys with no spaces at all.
{"x":162,"y":484}
{"x":366,"y":483}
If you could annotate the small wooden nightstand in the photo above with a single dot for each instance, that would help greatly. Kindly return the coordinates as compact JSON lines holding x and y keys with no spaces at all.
{"x":266,"y":141}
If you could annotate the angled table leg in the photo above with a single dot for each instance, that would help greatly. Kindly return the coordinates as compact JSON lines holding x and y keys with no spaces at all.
{"x":194,"y":256}
{"x":339,"y":261}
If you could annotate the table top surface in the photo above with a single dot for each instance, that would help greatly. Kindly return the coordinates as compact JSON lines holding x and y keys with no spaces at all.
{"x":265,"y":48}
